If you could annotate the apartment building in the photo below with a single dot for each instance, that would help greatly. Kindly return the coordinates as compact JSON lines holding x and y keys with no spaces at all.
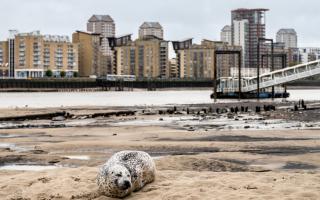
{"x":33,"y":54}
{"x":196,"y":61}
{"x":125,"y":55}
{"x":308,"y":54}
{"x":105,"y":26}
{"x":144,"y":58}
{"x":92,"y":60}
{"x":173,"y":68}
{"x":151,"y":29}
{"x":4,"y":62}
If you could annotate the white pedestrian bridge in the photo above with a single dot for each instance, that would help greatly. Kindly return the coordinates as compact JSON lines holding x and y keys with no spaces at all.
{"x":275,"y":78}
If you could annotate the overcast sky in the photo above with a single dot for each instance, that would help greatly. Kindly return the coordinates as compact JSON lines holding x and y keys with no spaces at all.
{"x":180,"y":18}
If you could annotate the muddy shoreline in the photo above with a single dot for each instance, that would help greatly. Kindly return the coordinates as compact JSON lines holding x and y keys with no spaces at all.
{"x":244,"y":151}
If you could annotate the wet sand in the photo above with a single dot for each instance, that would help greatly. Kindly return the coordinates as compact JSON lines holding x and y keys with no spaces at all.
{"x":197,"y":164}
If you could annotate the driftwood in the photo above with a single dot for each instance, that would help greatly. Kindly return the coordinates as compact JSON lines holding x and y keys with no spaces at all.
{"x":35,"y":116}
{"x":114,"y":113}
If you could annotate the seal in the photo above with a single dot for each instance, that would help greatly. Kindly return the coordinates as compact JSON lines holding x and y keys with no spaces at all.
{"x":126,"y":172}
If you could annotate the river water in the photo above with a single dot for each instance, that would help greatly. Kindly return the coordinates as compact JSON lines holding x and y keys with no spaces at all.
{"x":141,"y":98}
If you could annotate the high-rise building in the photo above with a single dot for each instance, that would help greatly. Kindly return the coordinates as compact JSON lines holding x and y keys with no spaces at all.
{"x":4,"y":62}
{"x":151,"y":29}
{"x":225,"y":35}
{"x":288,"y":37}
{"x":144,"y":58}
{"x":248,"y":25}
{"x":90,"y":54}
{"x":105,"y":26}
{"x":241,"y":38}
{"x":33,"y":54}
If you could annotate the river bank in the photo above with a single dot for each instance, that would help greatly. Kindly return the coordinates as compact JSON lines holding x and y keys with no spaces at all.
{"x":199,"y":153}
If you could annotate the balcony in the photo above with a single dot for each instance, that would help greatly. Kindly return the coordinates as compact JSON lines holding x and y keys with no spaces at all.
{"x":36,"y":54}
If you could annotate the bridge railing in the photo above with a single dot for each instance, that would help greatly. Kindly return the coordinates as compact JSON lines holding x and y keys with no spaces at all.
{"x":283,"y":76}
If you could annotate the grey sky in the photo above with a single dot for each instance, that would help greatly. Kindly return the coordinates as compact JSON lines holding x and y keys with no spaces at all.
{"x":180,"y":18}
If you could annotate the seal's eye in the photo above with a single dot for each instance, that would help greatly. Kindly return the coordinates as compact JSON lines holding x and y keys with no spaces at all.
{"x":118,"y":175}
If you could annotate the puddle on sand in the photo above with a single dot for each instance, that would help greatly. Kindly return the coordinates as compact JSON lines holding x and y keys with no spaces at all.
{"x":27,"y":167}
{"x":13,"y":147}
{"x":157,"y":157}
{"x":78,"y":157}
{"x":10,"y":136}
{"x":286,"y":166}
{"x":5,"y":145}
{"x":270,"y":166}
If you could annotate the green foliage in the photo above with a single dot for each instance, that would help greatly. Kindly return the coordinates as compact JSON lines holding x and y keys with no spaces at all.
{"x":49,"y":73}
{"x":62,"y":74}
{"x":75,"y":74}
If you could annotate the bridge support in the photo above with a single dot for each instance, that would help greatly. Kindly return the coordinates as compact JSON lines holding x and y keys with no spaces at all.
{"x":258,"y":64}
{"x":283,"y":57}
{"x":227,"y":52}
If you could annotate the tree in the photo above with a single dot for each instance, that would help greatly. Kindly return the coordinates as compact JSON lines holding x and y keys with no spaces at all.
{"x":63,"y":74}
{"x":75,"y":74}
{"x":49,"y":73}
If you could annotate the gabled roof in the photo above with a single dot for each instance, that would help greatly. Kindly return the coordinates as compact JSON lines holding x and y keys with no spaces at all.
{"x":151,"y":25}
{"x":101,"y":18}
{"x":287,"y":31}
{"x":250,"y":10}
{"x":226,"y":28}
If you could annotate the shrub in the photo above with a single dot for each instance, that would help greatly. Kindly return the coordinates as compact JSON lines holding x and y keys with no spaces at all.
{"x":62,"y":74}
{"x":49,"y":73}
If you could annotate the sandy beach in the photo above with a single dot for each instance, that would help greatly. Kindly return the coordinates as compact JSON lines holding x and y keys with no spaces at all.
{"x":194,"y":160}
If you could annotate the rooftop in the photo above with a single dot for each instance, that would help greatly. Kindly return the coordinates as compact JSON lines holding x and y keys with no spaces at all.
{"x":151,"y":25}
{"x":250,"y":10}
{"x":101,"y":18}
{"x":287,"y":31}
{"x":226,"y":28}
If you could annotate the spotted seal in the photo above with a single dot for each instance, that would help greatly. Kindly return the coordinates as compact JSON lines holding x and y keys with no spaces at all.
{"x":126,"y":172}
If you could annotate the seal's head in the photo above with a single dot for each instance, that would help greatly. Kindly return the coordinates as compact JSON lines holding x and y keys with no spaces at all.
{"x":116,"y":181}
